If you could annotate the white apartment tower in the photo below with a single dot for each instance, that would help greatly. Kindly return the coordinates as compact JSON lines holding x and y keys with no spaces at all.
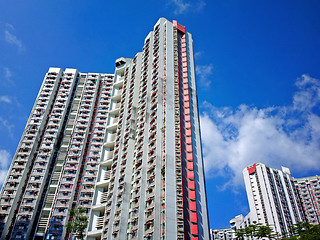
{"x":273,"y":198}
{"x":309,"y":192}
{"x":124,"y":146}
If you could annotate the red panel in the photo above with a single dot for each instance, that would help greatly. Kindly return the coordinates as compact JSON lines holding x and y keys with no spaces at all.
{"x":195,"y":238}
{"x":193,"y":205}
{"x":189,"y":140}
{"x":188,"y":132}
{"x":192,"y":195}
{"x":187,"y":111}
{"x":193,"y":217}
{"x":187,"y":118}
{"x":185,"y":92}
{"x":189,"y":148}
{"x":183,"y":49}
{"x":191,"y":174}
{"x":194,"y":229}
{"x":185,"y":85}
{"x":184,"y":64}
{"x":185,"y":69}
{"x":252,"y":169}
{"x":189,"y":156}
{"x":188,"y":125}
{"x":179,"y":27}
{"x":184,"y":59}
{"x":191,"y":185}
{"x":185,"y":74}
{"x":184,"y":54}
{"x":186,"y":98}
{"x":190,"y":165}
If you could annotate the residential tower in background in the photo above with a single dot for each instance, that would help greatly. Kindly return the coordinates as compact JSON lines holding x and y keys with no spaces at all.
{"x":309,"y":192}
{"x":273,"y":198}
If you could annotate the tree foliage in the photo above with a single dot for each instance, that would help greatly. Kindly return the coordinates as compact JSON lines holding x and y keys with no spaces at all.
{"x":305,"y":231}
{"x":300,"y":231}
{"x":254,"y":231}
{"x":78,"y":222}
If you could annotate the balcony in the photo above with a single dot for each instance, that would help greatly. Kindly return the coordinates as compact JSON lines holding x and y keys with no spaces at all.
{"x":110,"y":140}
{"x":117,"y":94}
{"x":49,"y":200}
{"x":115,"y":108}
{"x":108,"y":156}
{"x":104,"y":197}
{"x":118,"y":81}
{"x":99,"y":222}
{"x":104,"y":177}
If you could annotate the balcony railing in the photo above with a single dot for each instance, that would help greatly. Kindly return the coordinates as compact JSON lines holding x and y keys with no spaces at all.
{"x":106,"y":175}
{"x":99,"y":222}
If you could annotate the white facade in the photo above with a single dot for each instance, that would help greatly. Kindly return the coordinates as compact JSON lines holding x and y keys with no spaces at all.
{"x":236,"y":222}
{"x":272,"y":196}
{"x":222,"y":234}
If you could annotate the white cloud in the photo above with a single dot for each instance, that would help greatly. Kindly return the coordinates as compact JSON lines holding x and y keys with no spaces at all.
{"x":6,"y":77}
{"x":198,"y":54}
{"x":11,"y":38}
{"x":5,"y":160}
{"x":277,"y":136}
{"x":309,"y":94}
{"x":7,"y":126}
{"x":5,"y":99}
{"x":203,"y":72}
{"x":183,"y":6}
{"x":7,"y":73}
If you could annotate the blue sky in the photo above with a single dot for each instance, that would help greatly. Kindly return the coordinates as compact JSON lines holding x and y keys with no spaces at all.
{"x":257,"y":68}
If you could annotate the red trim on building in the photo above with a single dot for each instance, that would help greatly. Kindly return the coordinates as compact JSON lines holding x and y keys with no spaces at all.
{"x":193,"y":205}
{"x":193,"y":217}
{"x":179,"y":27}
{"x":190,"y":174}
{"x":192,"y":195}
{"x":252,"y":169}
{"x":194,"y":229}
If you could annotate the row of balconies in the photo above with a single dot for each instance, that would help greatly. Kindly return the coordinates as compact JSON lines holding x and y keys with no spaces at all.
{"x":105,"y":175}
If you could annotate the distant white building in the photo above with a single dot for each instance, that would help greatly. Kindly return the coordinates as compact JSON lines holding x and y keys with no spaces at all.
{"x":222,"y":234}
{"x":309,"y":192}
{"x":273,"y":198}
{"x":235,"y":223}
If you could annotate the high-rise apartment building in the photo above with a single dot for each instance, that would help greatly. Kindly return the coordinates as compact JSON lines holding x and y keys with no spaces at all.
{"x":273,"y":198}
{"x":309,"y":192}
{"x":124,"y":146}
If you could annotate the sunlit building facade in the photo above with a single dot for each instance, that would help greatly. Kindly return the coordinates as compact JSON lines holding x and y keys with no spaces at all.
{"x":273,"y":198}
{"x":124,"y":146}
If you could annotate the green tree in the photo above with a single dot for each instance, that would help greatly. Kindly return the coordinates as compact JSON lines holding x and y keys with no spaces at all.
{"x":304,"y":231}
{"x":263,"y":231}
{"x":254,"y":231}
{"x":240,"y":233}
{"x":311,"y":232}
{"x":78,"y":222}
